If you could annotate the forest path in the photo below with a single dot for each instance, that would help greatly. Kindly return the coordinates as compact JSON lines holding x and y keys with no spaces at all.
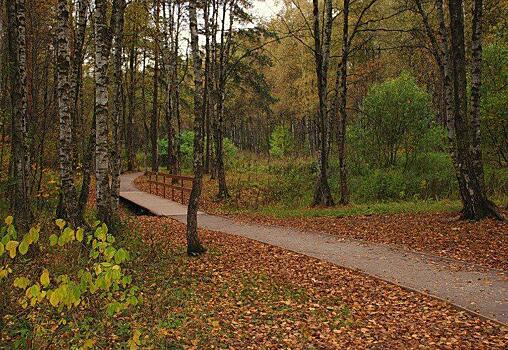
{"x":476,"y":289}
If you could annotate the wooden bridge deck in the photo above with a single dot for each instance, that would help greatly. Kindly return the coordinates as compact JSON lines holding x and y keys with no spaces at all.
{"x":154,"y":204}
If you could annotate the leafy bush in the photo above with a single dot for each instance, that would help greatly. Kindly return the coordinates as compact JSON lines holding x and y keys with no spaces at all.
{"x":100,"y":277}
{"x":396,"y":118}
{"x":186,"y":143}
{"x":281,"y":142}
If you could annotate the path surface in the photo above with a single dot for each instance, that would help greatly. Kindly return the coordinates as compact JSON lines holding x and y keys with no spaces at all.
{"x":479,"y":290}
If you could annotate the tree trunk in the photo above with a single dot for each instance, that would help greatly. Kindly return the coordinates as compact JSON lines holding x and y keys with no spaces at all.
{"x":221,"y":95}
{"x":171,"y":80}
{"x":67,"y":190}
{"x":132,"y":103}
{"x":322,"y":194}
{"x":102,"y":48}
{"x":194,"y":246}
{"x":476,"y":82}
{"x":475,"y":201}
{"x":155,"y":101}
{"x":117,"y":112}
{"x":344,"y":192}
{"x":76,"y":77}
{"x":207,"y":89}
{"x":20,"y":163}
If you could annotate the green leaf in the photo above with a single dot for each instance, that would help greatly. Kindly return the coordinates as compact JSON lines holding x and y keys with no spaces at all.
{"x":79,"y":234}
{"x":45,"y":278}
{"x":9,"y":220}
{"x":23,"y":247}
{"x":34,"y":291}
{"x":54,"y":298}
{"x":2,"y":248}
{"x":53,"y":240}
{"x":60,"y":223}
{"x":68,"y":234}
{"x":21,"y":282}
{"x":11,"y":247}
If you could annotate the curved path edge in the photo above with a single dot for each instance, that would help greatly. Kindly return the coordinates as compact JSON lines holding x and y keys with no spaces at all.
{"x":481,"y":291}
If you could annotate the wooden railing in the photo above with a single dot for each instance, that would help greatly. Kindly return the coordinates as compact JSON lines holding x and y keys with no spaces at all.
{"x":178,"y":186}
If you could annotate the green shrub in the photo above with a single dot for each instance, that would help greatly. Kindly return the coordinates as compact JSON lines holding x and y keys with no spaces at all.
{"x":396,"y":117}
{"x":186,"y":143}
{"x":281,"y":142}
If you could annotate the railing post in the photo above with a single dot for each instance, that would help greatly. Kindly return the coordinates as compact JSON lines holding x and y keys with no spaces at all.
{"x":181,"y":196}
{"x":164,"y":186}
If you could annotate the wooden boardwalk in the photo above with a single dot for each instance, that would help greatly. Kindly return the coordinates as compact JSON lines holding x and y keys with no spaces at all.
{"x":154,"y":204}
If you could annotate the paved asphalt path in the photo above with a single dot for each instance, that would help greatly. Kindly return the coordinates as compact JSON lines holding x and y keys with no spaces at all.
{"x":476,"y":289}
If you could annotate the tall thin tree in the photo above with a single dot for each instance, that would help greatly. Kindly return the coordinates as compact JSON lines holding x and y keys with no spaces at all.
{"x":467,"y":136}
{"x":102,"y":48}
{"x":20,"y":163}
{"x":154,"y":121}
{"x":117,"y":112}
{"x":194,"y":246}
{"x":322,"y":193}
{"x":68,"y":204}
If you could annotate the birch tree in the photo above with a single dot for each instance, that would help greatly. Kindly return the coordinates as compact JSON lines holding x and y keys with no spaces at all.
{"x":68,"y":204}
{"x":194,"y":246}
{"x":102,"y":48}
{"x":469,"y":165}
{"x":20,"y":199}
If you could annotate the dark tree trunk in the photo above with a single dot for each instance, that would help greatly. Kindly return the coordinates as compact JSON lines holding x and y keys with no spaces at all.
{"x":476,"y":82}
{"x":207,"y":100}
{"x":474,"y":198}
{"x":88,"y":166}
{"x":344,"y":191}
{"x":322,"y":194}
{"x":117,"y":113}
{"x":131,"y":103}
{"x":194,"y":246}
{"x":155,"y":101}
{"x":77,"y":77}
{"x":20,"y":163}
{"x":221,"y":95}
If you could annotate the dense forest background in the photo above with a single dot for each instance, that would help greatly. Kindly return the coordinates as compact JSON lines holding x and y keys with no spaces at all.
{"x":386,"y":133}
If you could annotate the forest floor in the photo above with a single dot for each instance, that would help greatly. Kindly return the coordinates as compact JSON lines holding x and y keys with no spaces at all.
{"x":244,"y":294}
{"x":464,"y":283}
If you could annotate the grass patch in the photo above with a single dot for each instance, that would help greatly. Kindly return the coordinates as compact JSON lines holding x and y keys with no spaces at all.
{"x":359,"y":209}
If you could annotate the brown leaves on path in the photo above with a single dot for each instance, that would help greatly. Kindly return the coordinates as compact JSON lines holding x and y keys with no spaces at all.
{"x":483,"y":243}
{"x":244,"y":294}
